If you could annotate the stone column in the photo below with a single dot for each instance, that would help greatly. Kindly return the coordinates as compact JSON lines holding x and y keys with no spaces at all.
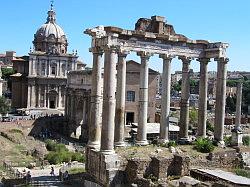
{"x":108,"y":115}
{"x":185,"y":94}
{"x":237,"y":132}
{"x":34,"y":66}
{"x":29,"y":96}
{"x":33,"y":96}
{"x":120,"y":100}
{"x":45,"y":96}
{"x":59,"y":97}
{"x":143,"y":100}
{"x":96,"y":100}
{"x":165,"y":98}
{"x":39,"y":96}
{"x":202,"y":113}
{"x":220,"y":99}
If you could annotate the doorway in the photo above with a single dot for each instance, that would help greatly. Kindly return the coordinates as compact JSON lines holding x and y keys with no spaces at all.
{"x":130,"y":117}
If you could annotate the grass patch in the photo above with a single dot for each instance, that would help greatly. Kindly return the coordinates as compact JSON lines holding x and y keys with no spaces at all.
{"x":242,"y":172}
{"x":76,"y":170}
{"x":18,"y":131}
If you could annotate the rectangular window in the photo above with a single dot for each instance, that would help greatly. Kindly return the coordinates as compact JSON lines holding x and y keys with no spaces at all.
{"x":131,"y":96}
{"x":53,"y":70}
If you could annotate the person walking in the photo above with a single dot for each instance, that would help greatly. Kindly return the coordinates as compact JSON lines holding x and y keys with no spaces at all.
{"x":52,"y":172}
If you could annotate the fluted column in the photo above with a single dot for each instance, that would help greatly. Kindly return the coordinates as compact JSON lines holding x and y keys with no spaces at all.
{"x":143,"y":100}
{"x":220,"y":99}
{"x":108,"y":115}
{"x":185,"y":94}
{"x":96,"y":100}
{"x":120,"y":100}
{"x":165,"y":98}
{"x":202,"y":113}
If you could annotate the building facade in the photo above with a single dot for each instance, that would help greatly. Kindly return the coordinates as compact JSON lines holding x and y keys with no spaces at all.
{"x":49,"y":63}
{"x":78,"y":98}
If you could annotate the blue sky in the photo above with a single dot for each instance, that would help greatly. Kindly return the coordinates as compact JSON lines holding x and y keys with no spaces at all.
{"x":213,"y":20}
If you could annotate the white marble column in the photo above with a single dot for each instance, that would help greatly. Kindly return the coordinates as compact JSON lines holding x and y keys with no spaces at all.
{"x":143,"y":100}
{"x":45,"y":96}
{"x":29,"y":96}
{"x":203,"y":84}
{"x":33,"y":96}
{"x":108,"y":115}
{"x":185,"y":94}
{"x":165,"y":98}
{"x":96,"y":100}
{"x":120,"y":100}
{"x":34,"y":66}
{"x":39,"y":96}
{"x":220,"y":99}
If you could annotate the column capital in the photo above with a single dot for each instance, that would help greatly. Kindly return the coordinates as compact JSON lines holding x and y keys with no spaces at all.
{"x":144,"y":54}
{"x":122,"y":53}
{"x":222,"y":60}
{"x":166,"y":57}
{"x":204,"y":60}
{"x":96,"y":50}
{"x":185,"y":59}
{"x":110,"y":48}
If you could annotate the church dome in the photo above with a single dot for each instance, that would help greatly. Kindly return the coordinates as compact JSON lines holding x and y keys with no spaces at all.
{"x":48,"y":29}
{"x":50,"y":38}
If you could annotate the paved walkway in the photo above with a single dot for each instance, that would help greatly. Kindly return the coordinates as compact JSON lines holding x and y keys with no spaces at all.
{"x":227,"y":176}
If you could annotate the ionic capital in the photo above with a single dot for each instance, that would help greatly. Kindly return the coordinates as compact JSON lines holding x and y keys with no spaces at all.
{"x":96,"y":50}
{"x":222,"y":60}
{"x":123,"y":53}
{"x":185,"y":59}
{"x":203,"y":60}
{"x":144,"y":54}
{"x":166,"y":57}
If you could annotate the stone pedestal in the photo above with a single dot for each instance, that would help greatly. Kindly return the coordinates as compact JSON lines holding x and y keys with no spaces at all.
{"x":236,"y":138}
{"x":102,"y":167}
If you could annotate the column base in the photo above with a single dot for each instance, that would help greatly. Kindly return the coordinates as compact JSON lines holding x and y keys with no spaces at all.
{"x":94,"y":145}
{"x":107,"y":152}
{"x":220,"y":143}
{"x":142,"y":143}
{"x":120,"y":144}
{"x":184,"y":141}
{"x":163,"y":141}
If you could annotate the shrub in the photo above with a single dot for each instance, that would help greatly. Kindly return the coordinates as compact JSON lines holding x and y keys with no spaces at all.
{"x":228,"y":140}
{"x":210,"y":127}
{"x":204,"y":145}
{"x":246,"y":140}
{"x":50,"y":145}
{"x":53,"y":157}
{"x":78,"y":157}
{"x":242,"y":172}
{"x":76,"y":170}
{"x":53,"y":146}
{"x":172,"y":143}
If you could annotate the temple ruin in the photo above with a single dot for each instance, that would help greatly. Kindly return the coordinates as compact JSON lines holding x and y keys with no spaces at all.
{"x":150,"y":37}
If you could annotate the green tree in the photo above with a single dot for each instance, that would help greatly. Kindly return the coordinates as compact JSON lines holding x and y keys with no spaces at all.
{"x":231,"y":104}
{"x":7,"y":72}
{"x":4,"y":106}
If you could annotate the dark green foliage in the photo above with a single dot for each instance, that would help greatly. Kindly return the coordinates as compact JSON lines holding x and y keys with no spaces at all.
{"x":246,"y":140}
{"x":7,"y":72}
{"x":231,"y":104}
{"x":172,"y":143}
{"x":210,"y":127}
{"x":204,"y":145}
{"x":4,"y":106}
{"x":228,"y":140}
{"x":59,"y":153}
{"x":242,"y":172}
